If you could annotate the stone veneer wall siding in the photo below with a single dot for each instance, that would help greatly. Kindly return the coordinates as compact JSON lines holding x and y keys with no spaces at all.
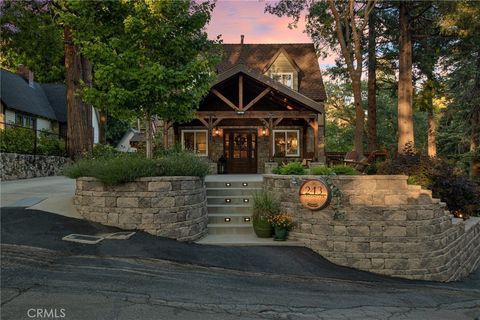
{"x":24,"y":166}
{"x":172,"y":207}
{"x":389,"y":228}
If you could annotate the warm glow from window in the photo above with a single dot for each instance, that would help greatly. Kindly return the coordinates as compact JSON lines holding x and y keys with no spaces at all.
{"x":196,"y":141}
{"x":286,"y":143}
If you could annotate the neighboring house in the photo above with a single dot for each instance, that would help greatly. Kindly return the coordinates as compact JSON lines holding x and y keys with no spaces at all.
{"x":27,"y":103}
{"x":266,"y":105}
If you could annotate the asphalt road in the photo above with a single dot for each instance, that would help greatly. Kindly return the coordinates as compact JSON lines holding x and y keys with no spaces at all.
{"x":153,"y":278}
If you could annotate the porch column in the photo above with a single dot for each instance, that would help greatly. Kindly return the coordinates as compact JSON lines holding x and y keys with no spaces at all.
{"x":314,"y":125}
{"x":321,"y":157}
{"x":270,"y":139}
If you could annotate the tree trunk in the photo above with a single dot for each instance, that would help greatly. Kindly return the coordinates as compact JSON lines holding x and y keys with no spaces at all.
{"x":148,"y":136}
{"x":359,"y":116}
{"x":432,"y":134}
{"x":79,"y":115}
{"x":474,"y":145}
{"x":102,"y":127}
{"x":372,"y":85}
{"x":475,"y":129}
{"x":405,"y":85}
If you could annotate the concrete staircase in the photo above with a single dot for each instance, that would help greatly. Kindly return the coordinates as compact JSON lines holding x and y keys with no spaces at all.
{"x":229,"y":199}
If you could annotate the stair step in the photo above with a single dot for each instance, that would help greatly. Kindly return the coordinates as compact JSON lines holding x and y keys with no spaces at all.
{"x":227,"y":228}
{"x":225,"y":214}
{"x":231,"y":192}
{"x":234,"y":184}
{"x":229,"y":200}
{"x":244,"y":210}
{"x":229,"y":225}
{"x":234,"y":219}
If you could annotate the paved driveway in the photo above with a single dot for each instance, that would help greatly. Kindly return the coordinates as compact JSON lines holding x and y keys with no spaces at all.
{"x":51,"y":194}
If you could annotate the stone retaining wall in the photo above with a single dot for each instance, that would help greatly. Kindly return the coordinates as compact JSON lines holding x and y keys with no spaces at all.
{"x":388,"y":227}
{"x":172,"y":207}
{"x":24,"y":166}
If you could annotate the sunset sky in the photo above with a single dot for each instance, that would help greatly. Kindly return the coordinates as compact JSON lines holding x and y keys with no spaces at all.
{"x":233,"y":18}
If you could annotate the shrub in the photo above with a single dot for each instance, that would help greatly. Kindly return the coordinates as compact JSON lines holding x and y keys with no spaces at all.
{"x":183,"y":164}
{"x":264,"y":205}
{"x":17,"y":140}
{"x":126,"y":167}
{"x":321,"y":171}
{"x":291,"y":168}
{"x":112,"y":171}
{"x":344,"y":170}
{"x":160,"y":151}
{"x":50,"y":144}
{"x":336,"y":169}
{"x":104,"y":151}
{"x":445,"y":180}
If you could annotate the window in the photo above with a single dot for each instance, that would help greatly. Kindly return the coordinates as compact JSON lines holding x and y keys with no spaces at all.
{"x":285,"y":78}
{"x":24,"y":120}
{"x":286,"y":143}
{"x":196,"y":141}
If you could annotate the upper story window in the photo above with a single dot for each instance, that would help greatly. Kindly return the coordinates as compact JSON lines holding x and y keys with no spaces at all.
{"x":196,"y":141}
{"x":285,"y":78}
{"x":24,"y":120}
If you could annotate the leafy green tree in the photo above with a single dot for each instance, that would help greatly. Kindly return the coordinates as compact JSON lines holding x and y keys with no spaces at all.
{"x":341,"y":26}
{"x":31,"y":36}
{"x":460,"y":21}
{"x":150,"y":57}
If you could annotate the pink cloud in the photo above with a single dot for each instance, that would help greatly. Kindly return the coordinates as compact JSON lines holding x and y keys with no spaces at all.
{"x":234,"y":18}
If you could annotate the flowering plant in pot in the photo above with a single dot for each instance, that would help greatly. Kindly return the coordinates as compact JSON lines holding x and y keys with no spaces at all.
{"x":264,"y":206}
{"x":282,"y":223}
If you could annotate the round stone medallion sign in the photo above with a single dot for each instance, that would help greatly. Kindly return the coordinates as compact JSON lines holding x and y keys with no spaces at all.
{"x":315,"y":194}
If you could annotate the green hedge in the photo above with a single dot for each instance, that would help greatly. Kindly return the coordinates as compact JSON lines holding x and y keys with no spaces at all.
{"x":17,"y":140}
{"x":22,"y":140}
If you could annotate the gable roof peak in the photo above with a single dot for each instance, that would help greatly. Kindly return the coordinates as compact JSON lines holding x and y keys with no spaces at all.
{"x":275,"y":57}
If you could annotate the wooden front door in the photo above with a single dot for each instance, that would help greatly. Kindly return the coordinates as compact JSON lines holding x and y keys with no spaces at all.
{"x":240,"y":148}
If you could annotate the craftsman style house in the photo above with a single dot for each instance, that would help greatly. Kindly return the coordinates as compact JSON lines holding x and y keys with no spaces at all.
{"x":266,"y":105}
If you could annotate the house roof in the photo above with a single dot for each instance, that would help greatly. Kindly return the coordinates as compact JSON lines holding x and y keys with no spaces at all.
{"x":241,"y":68}
{"x":57,"y":96}
{"x":258,"y":56}
{"x":17,"y":94}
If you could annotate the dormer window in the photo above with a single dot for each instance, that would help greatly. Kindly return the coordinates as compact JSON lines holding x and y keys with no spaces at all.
{"x":285,"y":78}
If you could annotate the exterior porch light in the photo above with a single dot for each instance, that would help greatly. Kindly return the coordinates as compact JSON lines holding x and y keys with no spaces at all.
{"x":240,"y":112}
{"x":246,"y":219}
{"x":263,"y":132}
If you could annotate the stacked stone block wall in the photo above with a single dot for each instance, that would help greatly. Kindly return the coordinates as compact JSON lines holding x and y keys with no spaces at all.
{"x":388,"y":227}
{"x":25,"y":166}
{"x":172,"y":207}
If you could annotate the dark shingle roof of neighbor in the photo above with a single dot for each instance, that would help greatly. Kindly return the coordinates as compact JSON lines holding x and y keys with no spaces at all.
{"x":17,"y":94}
{"x":258,"y":56}
{"x":57,"y":96}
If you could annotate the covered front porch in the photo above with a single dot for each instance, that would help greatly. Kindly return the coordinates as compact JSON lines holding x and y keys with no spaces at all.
{"x":248,"y":120}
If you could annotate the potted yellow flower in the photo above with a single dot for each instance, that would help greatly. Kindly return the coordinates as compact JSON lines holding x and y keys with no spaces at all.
{"x":281,"y":223}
